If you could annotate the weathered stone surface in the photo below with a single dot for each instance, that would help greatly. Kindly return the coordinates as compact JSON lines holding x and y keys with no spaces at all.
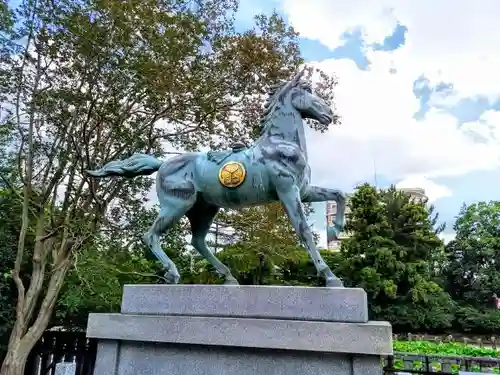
{"x":271,"y":302}
{"x":108,"y":355}
{"x":361,"y":338}
{"x":251,"y":330}
{"x":167,"y":359}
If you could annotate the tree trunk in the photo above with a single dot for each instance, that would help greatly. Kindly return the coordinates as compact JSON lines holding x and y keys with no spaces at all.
{"x":15,"y":360}
{"x":21,"y":346}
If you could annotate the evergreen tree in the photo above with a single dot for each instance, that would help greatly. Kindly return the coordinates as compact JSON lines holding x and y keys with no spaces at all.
{"x":390,"y":255}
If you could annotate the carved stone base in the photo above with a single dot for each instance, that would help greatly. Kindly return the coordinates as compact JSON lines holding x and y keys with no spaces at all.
{"x":229,"y":330}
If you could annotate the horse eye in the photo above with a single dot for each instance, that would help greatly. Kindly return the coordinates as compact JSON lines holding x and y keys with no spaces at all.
{"x":308,"y":89}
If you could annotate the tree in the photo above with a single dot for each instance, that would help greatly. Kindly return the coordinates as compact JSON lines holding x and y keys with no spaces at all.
{"x":389,"y":254}
{"x":95,"y":282}
{"x":300,"y":270}
{"x":84,"y":82}
{"x":263,"y":248}
{"x":9,"y":229}
{"x":472,"y":272}
{"x":10,"y":225}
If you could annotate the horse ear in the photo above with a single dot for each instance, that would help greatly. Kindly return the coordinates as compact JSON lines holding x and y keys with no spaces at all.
{"x":299,"y":75}
{"x":295,"y":80}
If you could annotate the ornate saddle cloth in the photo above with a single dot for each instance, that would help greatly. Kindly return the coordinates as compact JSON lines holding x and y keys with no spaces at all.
{"x":219,"y":156}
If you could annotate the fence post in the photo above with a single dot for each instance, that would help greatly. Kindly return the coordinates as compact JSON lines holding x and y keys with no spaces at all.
{"x":390,"y":365}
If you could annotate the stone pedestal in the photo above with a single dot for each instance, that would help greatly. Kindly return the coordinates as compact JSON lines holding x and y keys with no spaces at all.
{"x":239,"y":330}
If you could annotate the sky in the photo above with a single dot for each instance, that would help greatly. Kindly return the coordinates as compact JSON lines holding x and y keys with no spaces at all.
{"x":418,"y":92}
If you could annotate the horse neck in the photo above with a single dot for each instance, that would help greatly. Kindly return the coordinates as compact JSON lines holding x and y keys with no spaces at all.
{"x":287,"y":125}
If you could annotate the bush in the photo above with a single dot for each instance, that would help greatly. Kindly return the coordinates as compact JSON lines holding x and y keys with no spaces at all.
{"x":445,"y":349}
{"x":469,"y":319}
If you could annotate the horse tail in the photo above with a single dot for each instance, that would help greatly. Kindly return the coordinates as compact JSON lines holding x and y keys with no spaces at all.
{"x":136,"y":165}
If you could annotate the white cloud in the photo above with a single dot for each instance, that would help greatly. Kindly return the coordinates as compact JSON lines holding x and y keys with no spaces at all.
{"x":446,"y":41}
{"x":326,"y":21}
{"x":447,"y":236}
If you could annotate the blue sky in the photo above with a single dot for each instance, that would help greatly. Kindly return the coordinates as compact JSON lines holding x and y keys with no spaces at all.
{"x":425,"y":97}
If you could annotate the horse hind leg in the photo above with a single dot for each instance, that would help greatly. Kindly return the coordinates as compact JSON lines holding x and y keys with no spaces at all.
{"x":201,"y":216}
{"x":172,"y":209}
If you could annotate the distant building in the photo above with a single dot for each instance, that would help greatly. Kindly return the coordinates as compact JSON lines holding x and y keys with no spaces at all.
{"x":331,"y":213}
{"x":415,"y":193}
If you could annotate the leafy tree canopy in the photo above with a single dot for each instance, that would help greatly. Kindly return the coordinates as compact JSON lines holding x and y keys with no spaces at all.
{"x":262,"y":245}
{"x":472,"y":273}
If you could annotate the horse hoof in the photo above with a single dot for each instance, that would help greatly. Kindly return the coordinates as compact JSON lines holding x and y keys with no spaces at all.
{"x":231,"y":282}
{"x":172,"y":278}
{"x":334,"y":283}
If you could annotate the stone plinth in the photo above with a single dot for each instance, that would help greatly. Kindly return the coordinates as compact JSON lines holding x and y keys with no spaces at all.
{"x":270,"y":302}
{"x":247,"y":330}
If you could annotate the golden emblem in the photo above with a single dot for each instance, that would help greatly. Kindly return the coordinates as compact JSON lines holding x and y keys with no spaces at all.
{"x":232,"y":174}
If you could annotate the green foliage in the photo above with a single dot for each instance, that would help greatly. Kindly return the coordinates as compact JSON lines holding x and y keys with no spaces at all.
{"x":441,"y":349}
{"x":471,"y":267}
{"x":95,"y":282}
{"x":10,"y":224}
{"x":300,"y":271}
{"x":390,"y":255}
{"x":444,"y":348}
{"x":263,"y":248}
{"x":470,"y":319}
{"x":472,"y":273}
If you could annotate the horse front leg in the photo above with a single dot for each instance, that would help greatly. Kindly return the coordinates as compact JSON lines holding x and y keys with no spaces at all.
{"x":320,"y":194}
{"x":290,"y":198}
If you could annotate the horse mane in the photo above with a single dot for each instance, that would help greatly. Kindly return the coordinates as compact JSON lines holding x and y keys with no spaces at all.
{"x":272,"y":97}
{"x":276,"y":92}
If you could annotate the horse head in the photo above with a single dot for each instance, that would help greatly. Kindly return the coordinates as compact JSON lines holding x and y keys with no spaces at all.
{"x":308,"y":103}
{"x":298,"y":96}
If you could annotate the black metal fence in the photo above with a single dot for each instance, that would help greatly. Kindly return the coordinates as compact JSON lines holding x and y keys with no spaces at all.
{"x":405,"y":363}
{"x":59,"y":348}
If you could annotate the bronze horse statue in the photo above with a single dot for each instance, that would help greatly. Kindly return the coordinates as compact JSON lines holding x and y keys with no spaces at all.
{"x":274,"y":168}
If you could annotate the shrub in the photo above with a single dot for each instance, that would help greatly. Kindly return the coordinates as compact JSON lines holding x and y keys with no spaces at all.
{"x":444,"y":348}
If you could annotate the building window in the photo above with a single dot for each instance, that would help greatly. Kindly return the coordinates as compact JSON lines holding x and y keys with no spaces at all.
{"x":330,"y":220}
{"x":334,"y":245}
